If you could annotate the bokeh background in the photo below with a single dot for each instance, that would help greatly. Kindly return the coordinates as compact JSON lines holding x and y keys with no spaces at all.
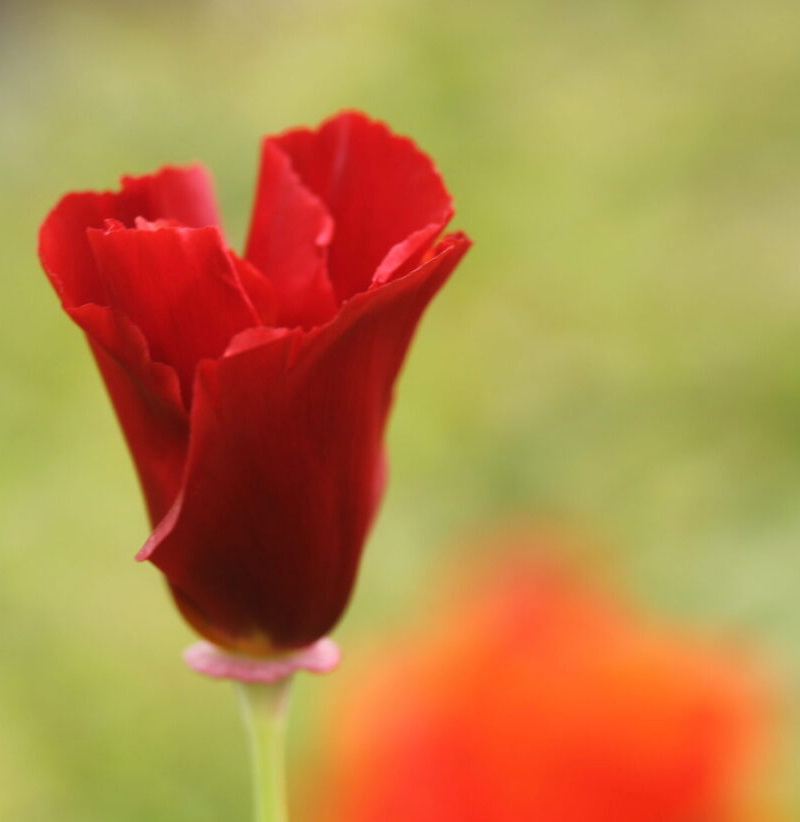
{"x":616,"y":358}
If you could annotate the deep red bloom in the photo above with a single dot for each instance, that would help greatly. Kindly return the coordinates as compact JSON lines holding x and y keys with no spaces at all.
{"x":254,"y":392}
{"x":536,"y":698}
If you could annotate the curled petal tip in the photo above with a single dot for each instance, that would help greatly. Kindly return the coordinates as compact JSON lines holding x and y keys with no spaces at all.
{"x":321,"y":657}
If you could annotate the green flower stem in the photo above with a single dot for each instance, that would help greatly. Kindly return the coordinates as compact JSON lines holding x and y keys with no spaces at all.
{"x":265,"y":709}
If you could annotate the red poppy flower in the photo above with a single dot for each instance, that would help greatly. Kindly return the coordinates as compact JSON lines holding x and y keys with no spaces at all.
{"x":536,"y":698}
{"x":254,"y":392}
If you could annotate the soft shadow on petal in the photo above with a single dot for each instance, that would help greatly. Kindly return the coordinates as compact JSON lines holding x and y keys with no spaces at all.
{"x":258,"y":288}
{"x":264,"y":541}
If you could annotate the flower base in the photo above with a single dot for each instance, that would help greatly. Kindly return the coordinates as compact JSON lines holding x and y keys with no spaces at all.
{"x":321,"y":657}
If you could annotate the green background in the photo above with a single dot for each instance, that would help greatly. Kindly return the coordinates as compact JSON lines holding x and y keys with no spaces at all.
{"x":617,"y":355}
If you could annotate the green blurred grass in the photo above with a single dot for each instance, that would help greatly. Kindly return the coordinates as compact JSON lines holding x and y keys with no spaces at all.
{"x":616,"y":354}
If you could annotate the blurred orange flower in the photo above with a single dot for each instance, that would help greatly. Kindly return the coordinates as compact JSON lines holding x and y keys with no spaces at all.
{"x":537,"y":698}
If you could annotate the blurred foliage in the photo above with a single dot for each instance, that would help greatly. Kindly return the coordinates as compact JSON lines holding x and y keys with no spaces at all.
{"x":616,"y":355}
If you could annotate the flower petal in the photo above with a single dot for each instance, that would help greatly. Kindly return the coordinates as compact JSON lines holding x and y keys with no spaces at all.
{"x":286,"y":453}
{"x":146,"y":397}
{"x":288,"y":241}
{"x":182,"y":194}
{"x":145,"y":394}
{"x":258,"y":288}
{"x":179,"y":286}
{"x":378,"y":187}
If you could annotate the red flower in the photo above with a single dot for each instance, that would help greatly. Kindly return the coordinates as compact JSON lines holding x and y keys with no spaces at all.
{"x":537,"y":699}
{"x":254,"y":392}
